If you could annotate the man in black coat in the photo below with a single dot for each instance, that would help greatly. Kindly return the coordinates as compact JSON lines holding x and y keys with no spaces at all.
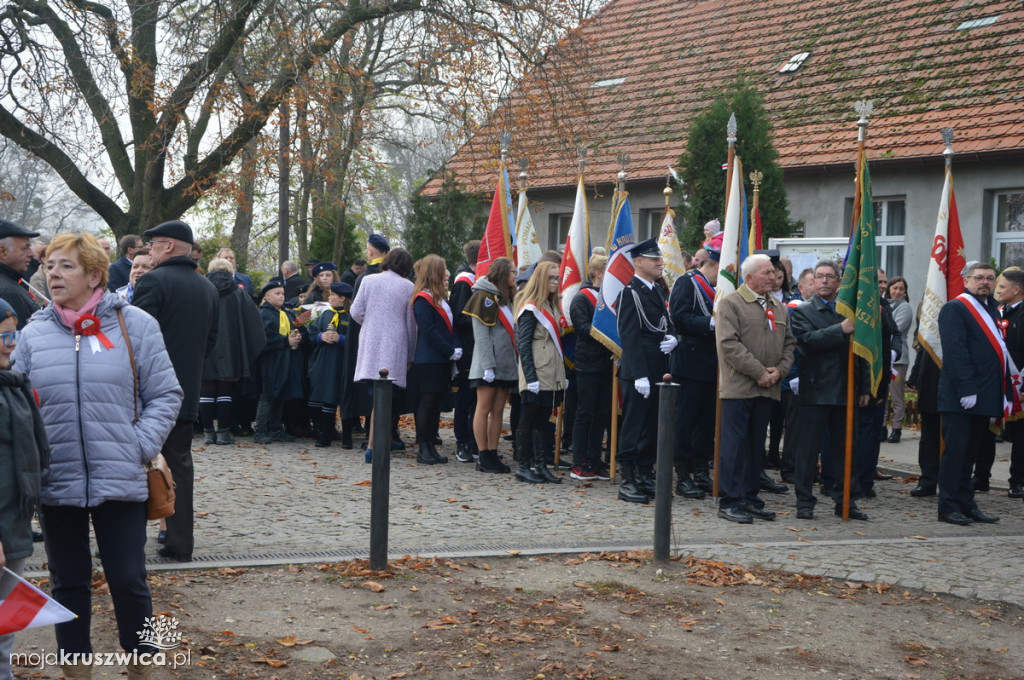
{"x":186,"y":306}
{"x":465,"y":396}
{"x":648,"y":337}
{"x":1010,"y":294}
{"x":823,"y":337}
{"x":120,"y":271}
{"x":15,"y":255}
{"x":871,"y":404}
{"x":293,"y":283}
{"x":695,"y":366}
{"x":973,"y":388}
{"x":350,"y":275}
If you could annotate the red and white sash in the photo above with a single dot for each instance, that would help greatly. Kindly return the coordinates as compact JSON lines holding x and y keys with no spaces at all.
{"x":444,"y":310}
{"x":1011,"y":391}
{"x":546,"y":319}
{"x":465,"y":277}
{"x":705,"y":287}
{"x":505,"y":317}
{"x":590,"y":295}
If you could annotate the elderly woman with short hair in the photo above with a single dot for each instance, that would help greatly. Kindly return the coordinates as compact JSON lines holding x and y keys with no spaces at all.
{"x":109,"y":397}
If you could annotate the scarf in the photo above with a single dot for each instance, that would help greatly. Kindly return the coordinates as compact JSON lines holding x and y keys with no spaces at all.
{"x":29,"y":445}
{"x":70,"y":316}
{"x":284,"y":326}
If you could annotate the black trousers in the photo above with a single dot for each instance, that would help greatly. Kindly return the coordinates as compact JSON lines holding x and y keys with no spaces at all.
{"x":985,"y":456}
{"x":593,"y":416}
{"x":1016,"y":430}
{"x":870,"y":421}
{"x":813,"y":422}
{"x":120,"y":528}
{"x":928,"y":449}
{"x":792,"y":434}
{"x":177,"y":450}
{"x":964,"y":434}
{"x":638,"y":438}
{"x":744,"y":426}
{"x":465,"y":408}
{"x":695,"y":426}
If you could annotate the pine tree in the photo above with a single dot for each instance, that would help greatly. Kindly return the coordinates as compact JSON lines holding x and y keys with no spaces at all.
{"x":441,"y":227}
{"x":707,"y":151}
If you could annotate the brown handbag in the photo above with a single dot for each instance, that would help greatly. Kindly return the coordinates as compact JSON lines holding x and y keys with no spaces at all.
{"x":159,"y":480}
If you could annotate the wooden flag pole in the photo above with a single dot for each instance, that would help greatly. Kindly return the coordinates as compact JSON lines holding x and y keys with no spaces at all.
{"x":864,"y":109}
{"x":731,"y":139}
{"x":613,"y":445}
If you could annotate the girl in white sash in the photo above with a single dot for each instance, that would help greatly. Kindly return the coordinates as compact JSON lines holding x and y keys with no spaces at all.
{"x":541,"y":369}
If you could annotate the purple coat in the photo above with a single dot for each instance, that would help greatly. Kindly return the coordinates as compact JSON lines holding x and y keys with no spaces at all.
{"x":387,"y":338}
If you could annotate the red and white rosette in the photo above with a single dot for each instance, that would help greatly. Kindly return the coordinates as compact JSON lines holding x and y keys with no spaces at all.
{"x":770,"y":313}
{"x":89,"y":326}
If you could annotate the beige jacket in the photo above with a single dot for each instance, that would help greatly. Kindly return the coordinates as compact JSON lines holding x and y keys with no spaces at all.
{"x":747,"y":346}
{"x":539,"y":357}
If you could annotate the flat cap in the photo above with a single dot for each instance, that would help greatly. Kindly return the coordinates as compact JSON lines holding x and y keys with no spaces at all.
{"x":175,"y":229}
{"x":276,"y":282}
{"x":11,"y":229}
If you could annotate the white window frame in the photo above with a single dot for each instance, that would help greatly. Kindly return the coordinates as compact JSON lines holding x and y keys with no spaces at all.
{"x":1007,"y":237}
{"x":649,"y":223}
{"x":887,"y":244}
{"x":558,"y":230}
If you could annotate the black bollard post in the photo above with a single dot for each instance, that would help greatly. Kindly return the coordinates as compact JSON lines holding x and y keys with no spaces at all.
{"x":666,"y":453}
{"x":380,"y":492}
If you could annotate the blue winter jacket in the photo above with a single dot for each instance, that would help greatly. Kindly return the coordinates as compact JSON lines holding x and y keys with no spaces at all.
{"x":86,"y":400}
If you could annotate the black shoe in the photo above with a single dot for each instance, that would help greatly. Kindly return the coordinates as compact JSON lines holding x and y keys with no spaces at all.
{"x":686,"y":488}
{"x":855,"y":513}
{"x":437,"y":440}
{"x":524,"y":473}
{"x":463,"y":454}
{"x":346,"y":442}
{"x":509,"y":437}
{"x":921,"y":491}
{"x":735,"y":515}
{"x":224,"y":437}
{"x":1016,"y":491}
{"x":281,"y":436}
{"x":645,"y":480}
{"x":759,"y":513}
{"x":37,"y":537}
{"x":628,"y":489}
{"x":542,"y":471}
{"x":161,"y":537}
{"x":489,"y":462}
{"x":883,"y":434}
{"x":211,"y":436}
{"x":804,"y":513}
{"x":177,"y":557}
{"x":425,"y":456}
{"x":958,"y":518}
{"x":979,"y":516}
{"x":867,"y":493}
{"x":787,"y":477}
{"x":703,"y":481}
{"x":396,"y":443}
{"x":980,"y":484}
{"x":894,"y":438}
{"x":440,"y":458}
{"x":771,"y":486}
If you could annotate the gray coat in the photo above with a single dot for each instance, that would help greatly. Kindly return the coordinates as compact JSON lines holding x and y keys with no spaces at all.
{"x":903,"y":315}
{"x":86,"y":399}
{"x":492,"y":345}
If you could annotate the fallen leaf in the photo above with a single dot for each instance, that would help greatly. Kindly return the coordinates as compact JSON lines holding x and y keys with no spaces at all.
{"x":920,"y":538}
{"x":719,"y":601}
{"x":513,"y":552}
{"x":360,"y":630}
{"x":547,"y":510}
{"x":273,"y":663}
{"x":610,"y":648}
{"x":365,"y":482}
{"x":288,"y":641}
{"x":452,"y":500}
{"x":374,"y":586}
{"x":328,"y":476}
{"x":382,"y":607}
{"x":687,"y":620}
{"x":916,"y":661}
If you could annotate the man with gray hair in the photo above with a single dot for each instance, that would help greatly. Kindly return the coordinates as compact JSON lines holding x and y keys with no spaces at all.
{"x":755,"y":351}
{"x":823,"y":338}
{"x":15,"y":255}
{"x":975,"y":386}
{"x":293,"y":283}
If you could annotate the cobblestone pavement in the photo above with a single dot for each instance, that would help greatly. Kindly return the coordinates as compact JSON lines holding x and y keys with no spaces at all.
{"x":295,"y":503}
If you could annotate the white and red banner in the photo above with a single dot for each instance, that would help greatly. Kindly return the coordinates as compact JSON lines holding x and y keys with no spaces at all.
{"x":573,"y":271}
{"x":497,"y":240}
{"x":527,"y":247}
{"x":28,"y":607}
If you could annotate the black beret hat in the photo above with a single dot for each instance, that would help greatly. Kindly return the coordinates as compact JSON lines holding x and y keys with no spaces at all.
{"x":343,"y":289}
{"x":324,"y":267}
{"x":175,"y":229}
{"x":12,"y":229}
{"x":312,"y":261}
{"x":648,"y":248}
{"x":276,"y":282}
{"x":715,"y":255}
{"x":379,"y":242}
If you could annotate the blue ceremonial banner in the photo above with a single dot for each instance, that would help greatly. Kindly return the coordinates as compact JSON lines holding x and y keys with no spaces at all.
{"x":617,"y":275}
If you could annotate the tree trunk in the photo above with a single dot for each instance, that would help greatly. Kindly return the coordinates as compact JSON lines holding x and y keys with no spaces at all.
{"x":283,"y":176}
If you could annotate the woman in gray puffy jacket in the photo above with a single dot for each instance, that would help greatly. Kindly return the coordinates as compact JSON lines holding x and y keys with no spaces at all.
{"x":105,"y":416}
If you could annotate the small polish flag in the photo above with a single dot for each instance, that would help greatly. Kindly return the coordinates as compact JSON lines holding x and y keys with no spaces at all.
{"x":28,"y":607}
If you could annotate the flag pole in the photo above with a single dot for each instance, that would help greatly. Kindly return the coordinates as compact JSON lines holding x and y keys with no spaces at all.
{"x":730,"y":129}
{"x":613,"y":446}
{"x":864,"y":109}
{"x":506,"y":142}
{"x":756,"y":177}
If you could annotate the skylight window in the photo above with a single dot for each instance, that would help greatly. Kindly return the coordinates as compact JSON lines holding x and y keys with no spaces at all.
{"x":978,"y":23}
{"x":609,"y":82}
{"x":795,"y":62}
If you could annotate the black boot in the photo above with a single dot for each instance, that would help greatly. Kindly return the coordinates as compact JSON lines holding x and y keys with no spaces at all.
{"x":628,"y":489}
{"x":645,"y":480}
{"x":685,"y":485}
{"x":425,"y":456}
{"x":211,"y":435}
{"x":323,"y":430}
{"x":524,"y":458}
{"x":702,"y":478}
{"x":346,"y":433}
{"x":489,"y":462}
{"x":438,"y":457}
{"x":540,"y":459}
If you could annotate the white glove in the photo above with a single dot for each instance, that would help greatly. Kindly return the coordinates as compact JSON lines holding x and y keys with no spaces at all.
{"x":794,"y":385}
{"x":457,"y":354}
{"x":533,"y":387}
{"x":893,"y":353}
{"x":668,"y":344}
{"x":967,"y":403}
{"x":566,"y":383}
{"x":643,"y":386}
{"x":488,"y":375}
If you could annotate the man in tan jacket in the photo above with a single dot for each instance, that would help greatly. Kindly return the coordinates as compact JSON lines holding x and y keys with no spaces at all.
{"x":755,"y":351}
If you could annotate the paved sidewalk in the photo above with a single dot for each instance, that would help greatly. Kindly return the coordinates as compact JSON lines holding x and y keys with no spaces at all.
{"x":295,"y":503}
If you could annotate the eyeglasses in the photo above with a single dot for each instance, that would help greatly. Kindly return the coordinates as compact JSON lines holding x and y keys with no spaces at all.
{"x":826,"y":277}
{"x":9,"y":338}
{"x":155,"y":241}
{"x":983,"y":279}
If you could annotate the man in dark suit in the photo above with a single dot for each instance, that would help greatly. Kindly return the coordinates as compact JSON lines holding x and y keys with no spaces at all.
{"x":186,"y":307}
{"x":243,"y":280}
{"x":1010,"y":294}
{"x":119,"y":272}
{"x":465,"y":396}
{"x":823,"y":338}
{"x":293,"y":283}
{"x":648,"y":337}
{"x":974,"y":387}
{"x":15,"y":254}
{"x":694,"y":366}
{"x":352,"y":273}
